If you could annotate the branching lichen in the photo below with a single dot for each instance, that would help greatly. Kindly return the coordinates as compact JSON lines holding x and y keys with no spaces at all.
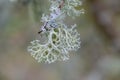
{"x":61,"y":38}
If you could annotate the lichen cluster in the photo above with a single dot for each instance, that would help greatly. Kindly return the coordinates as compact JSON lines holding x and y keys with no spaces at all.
{"x":61,"y":39}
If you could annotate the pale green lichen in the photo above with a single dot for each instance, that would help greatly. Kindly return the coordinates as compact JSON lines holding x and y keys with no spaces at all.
{"x":61,"y":40}
{"x":70,"y":8}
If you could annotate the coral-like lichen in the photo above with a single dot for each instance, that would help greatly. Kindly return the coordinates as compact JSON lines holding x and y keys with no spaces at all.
{"x":60,"y":38}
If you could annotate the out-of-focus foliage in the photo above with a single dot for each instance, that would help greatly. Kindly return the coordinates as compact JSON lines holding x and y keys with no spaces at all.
{"x":98,"y":58}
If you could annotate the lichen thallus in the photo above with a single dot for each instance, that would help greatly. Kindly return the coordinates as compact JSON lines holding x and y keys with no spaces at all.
{"x":52,"y":23}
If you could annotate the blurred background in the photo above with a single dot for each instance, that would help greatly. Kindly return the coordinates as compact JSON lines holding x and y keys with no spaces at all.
{"x":97,"y":59}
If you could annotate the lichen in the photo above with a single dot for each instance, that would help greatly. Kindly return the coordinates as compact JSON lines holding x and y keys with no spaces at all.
{"x":61,"y":39}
